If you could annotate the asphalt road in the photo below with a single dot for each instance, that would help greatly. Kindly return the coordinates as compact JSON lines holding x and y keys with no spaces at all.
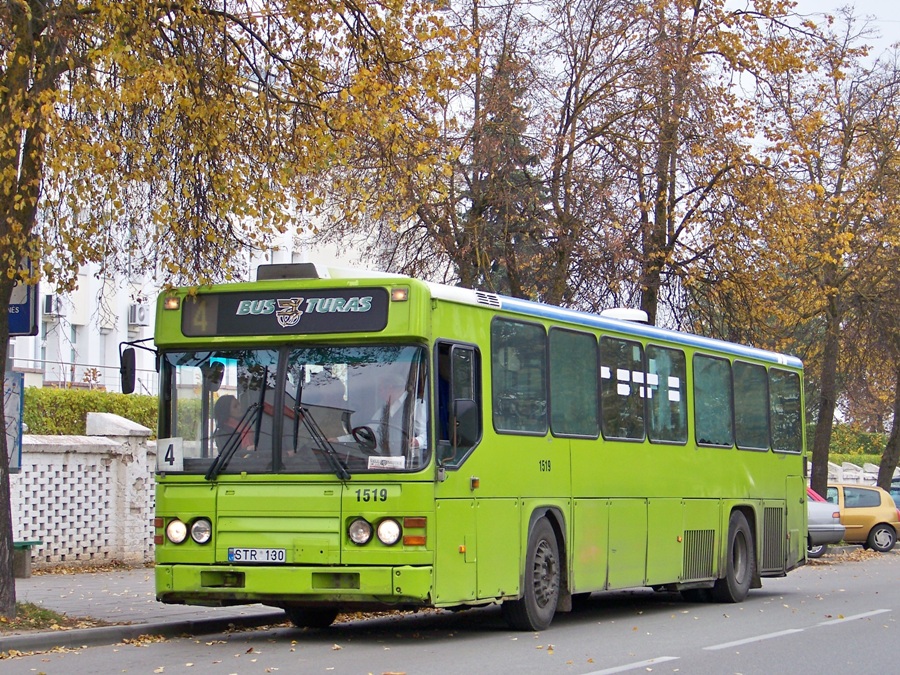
{"x":836,"y":615}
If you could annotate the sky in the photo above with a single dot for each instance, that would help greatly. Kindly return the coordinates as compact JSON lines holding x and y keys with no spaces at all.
{"x":884,"y":15}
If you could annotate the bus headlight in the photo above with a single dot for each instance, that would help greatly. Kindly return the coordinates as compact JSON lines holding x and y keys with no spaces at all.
{"x":360,"y":531}
{"x":201,"y":530}
{"x":389,"y":531}
{"x":176,"y":531}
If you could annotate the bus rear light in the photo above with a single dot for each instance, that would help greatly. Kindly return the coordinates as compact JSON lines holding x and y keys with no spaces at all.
{"x":399,"y":294}
{"x":158,"y":539}
{"x":158,"y":523}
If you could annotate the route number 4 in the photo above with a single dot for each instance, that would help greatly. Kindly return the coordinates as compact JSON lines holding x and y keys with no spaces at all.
{"x":170,"y":454}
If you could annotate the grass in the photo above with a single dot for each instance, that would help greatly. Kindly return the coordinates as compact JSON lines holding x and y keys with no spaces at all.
{"x":30,"y":617}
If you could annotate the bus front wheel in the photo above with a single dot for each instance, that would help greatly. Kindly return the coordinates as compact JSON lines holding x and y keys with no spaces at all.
{"x":740,"y":562}
{"x":540,"y":595}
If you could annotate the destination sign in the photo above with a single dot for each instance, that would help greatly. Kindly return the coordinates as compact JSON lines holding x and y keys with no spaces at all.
{"x":351,"y":310}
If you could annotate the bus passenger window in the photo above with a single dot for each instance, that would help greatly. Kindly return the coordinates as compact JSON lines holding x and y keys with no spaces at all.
{"x":713,"y":410}
{"x":518,"y":374}
{"x":573,"y":384}
{"x":666,"y":395}
{"x":622,"y":388}
{"x":786,"y":410}
{"x":751,"y":406}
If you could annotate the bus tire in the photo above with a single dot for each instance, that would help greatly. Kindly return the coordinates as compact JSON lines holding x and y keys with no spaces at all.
{"x":740,"y":562}
{"x":540,"y":595}
{"x":311,"y":617}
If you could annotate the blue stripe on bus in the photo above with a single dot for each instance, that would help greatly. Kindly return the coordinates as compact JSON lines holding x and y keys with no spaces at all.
{"x":542,"y":311}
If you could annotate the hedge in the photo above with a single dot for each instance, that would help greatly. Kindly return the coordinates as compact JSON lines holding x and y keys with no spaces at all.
{"x":53,"y":411}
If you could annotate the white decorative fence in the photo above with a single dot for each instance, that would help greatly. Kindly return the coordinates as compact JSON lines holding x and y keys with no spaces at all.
{"x":88,"y":499}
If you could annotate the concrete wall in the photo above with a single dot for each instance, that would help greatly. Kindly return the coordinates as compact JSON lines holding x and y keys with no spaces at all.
{"x":89,"y":499}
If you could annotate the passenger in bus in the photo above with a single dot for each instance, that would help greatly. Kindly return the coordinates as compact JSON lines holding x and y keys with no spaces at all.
{"x":231,"y":425}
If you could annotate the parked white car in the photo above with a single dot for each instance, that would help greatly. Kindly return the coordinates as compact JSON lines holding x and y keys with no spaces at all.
{"x":824,"y":525}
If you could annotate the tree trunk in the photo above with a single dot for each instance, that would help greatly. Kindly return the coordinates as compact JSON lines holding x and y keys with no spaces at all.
{"x":7,"y":582}
{"x":827,"y":402}
{"x":891,"y":455}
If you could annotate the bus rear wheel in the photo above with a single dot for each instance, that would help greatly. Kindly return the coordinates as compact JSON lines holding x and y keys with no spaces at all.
{"x":540,"y":595}
{"x":311,"y":617}
{"x":740,"y":562}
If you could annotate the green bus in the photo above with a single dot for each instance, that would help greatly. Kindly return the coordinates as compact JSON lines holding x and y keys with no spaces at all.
{"x":334,"y":440}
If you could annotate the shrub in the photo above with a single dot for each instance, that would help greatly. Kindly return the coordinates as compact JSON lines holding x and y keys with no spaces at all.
{"x":849,"y":440}
{"x":64,"y":411}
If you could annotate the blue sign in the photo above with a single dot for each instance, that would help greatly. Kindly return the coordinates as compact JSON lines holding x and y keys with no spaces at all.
{"x":23,"y":310}
{"x":13,"y":400}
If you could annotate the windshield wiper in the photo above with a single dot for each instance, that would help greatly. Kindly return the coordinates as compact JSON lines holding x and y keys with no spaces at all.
{"x":233,"y":442}
{"x":315,"y":432}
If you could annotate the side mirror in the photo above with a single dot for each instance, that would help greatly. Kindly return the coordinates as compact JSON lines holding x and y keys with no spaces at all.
{"x":213,"y":375}
{"x":127,"y":369}
{"x":465,"y":422}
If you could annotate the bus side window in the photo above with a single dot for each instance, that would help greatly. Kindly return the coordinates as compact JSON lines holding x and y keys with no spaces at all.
{"x":443,"y":392}
{"x":458,"y":395}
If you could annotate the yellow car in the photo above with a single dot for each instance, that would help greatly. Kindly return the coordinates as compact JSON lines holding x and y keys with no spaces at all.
{"x":868,"y":513}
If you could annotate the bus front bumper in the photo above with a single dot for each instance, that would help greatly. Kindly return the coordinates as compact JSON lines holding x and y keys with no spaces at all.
{"x":218,"y":585}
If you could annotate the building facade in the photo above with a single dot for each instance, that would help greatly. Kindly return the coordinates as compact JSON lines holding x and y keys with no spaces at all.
{"x":79,"y":333}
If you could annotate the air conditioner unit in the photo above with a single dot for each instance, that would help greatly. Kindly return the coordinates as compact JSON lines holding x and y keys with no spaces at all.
{"x":138,"y":315}
{"x":53,"y":306}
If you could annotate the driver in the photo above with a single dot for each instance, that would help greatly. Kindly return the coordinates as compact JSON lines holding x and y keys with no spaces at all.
{"x":388,"y":424}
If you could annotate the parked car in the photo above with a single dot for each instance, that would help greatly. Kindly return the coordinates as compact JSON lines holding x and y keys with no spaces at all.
{"x":895,"y":491}
{"x":868,"y":513}
{"x":824,"y":526}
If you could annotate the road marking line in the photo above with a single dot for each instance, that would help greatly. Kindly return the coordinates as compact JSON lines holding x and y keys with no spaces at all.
{"x":758,"y":638}
{"x":875,"y":612}
{"x":634,"y":666}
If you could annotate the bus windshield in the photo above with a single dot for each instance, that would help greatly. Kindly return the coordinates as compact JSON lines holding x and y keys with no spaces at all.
{"x":322,"y":409}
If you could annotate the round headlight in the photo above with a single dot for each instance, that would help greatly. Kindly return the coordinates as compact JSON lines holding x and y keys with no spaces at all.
{"x":389,"y":531}
{"x":176,"y":531}
{"x":360,"y":531}
{"x":201,"y":530}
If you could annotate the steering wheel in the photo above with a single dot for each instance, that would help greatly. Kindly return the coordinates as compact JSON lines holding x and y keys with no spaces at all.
{"x":365,"y":437}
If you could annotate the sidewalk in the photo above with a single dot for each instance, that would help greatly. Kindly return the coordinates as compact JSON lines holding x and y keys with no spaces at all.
{"x":127,"y":598}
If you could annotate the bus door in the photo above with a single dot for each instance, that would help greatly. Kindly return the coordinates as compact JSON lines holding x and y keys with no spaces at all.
{"x":796,"y":519}
{"x":458,"y":431}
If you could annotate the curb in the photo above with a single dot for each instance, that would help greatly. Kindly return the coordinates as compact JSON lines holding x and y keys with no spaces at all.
{"x":107,"y":635}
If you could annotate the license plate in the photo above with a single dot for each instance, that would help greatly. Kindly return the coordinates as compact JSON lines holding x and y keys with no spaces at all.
{"x":256,"y":555}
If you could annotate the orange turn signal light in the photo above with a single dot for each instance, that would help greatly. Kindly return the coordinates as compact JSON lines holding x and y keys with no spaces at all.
{"x":413,"y":539}
{"x":413,"y":522}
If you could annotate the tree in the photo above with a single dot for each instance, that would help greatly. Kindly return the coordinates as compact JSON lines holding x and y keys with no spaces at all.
{"x":832,"y":142}
{"x":628,"y":130}
{"x":164,"y":138}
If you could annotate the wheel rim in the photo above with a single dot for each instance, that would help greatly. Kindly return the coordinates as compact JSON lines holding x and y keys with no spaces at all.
{"x":882,"y":538}
{"x":546,"y":574}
